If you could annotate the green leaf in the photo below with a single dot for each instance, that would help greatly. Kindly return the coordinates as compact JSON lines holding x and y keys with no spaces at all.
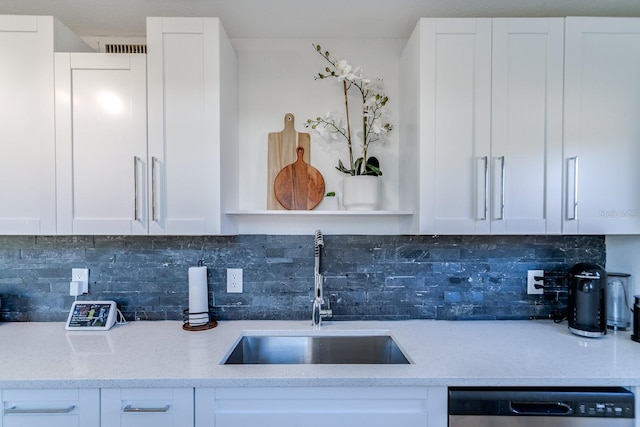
{"x":357,"y":165}
{"x":343,"y":169}
{"x":373,"y":167}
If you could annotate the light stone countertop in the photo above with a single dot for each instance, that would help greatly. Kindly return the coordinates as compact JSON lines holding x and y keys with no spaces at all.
{"x":443,"y":353}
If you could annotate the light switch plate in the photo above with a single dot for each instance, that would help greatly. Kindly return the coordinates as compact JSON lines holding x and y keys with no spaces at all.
{"x":531,"y":281}
{"x":234,"y":280}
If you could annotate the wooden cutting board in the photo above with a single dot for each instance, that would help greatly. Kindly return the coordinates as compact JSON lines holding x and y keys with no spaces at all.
{"x":282,"y":152}
{"x":299,"y":185}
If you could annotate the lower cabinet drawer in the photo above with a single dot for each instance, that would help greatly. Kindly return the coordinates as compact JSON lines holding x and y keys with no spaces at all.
{"x":147,"y":407}
{"x":50,"y":407}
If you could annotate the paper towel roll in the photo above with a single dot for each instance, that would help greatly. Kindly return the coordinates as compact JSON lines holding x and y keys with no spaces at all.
{"x":198,"y":296}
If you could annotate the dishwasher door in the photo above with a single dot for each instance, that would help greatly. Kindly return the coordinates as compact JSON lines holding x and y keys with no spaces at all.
{"x":541,"y":407}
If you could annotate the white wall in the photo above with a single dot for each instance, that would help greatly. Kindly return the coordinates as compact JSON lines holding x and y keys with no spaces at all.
{"x":276,"y":77}
{"x":623,"y":256}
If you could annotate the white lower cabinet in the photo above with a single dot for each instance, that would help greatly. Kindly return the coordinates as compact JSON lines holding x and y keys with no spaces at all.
{"x":147,"y":407}
{"x":226,"y":407}
{"x":50,"y":408}
{"x":636,"y":392}
{"x":321,"y":406}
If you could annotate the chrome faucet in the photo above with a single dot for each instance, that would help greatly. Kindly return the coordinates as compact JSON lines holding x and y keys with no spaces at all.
{"x":318,"y":297}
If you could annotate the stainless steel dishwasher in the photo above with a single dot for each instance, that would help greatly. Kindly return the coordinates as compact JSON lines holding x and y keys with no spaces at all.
{"x":541,"y":407}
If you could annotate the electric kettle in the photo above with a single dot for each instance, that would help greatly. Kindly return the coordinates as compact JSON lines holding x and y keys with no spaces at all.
{"x":587,"y":300}
{"x":618,"y":310}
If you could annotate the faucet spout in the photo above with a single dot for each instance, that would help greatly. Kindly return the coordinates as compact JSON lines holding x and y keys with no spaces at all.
{"x":318,"y":296}
{"x":316,"y":314}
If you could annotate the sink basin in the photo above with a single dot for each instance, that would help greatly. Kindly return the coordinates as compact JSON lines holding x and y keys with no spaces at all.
{"x":316,"y":349}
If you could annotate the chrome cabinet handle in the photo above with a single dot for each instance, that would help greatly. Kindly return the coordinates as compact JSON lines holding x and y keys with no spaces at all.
{"x":484,"y":208}
{"x":502,"y":181}
{"x":154,"y":208}
{"x":572,"y":202}
{"x":130,"y":408}
{"x":16,"y":410}
{"x":136,"y":184}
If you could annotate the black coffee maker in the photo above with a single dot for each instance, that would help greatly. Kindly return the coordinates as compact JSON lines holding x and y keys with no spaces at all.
{"x":586,"y":303}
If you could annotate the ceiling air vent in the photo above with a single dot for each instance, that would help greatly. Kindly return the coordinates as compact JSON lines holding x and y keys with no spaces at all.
{"x":125,"y":48}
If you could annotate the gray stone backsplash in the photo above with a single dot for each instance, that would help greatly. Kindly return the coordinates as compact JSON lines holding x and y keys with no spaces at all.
{"x":366,"y":277}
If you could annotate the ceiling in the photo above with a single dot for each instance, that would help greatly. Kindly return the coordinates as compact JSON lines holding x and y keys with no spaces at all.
{"x":300,"y":18}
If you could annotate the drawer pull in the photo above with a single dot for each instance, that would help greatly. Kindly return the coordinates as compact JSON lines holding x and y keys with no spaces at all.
{"x":16,"y":410}
{"x":130,"y":408}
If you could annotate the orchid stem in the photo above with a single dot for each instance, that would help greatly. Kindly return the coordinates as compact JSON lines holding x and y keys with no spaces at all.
{"x":346,"y":106}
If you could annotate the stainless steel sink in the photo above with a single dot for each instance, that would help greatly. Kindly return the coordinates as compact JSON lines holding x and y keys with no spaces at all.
{"x":316,"y":349}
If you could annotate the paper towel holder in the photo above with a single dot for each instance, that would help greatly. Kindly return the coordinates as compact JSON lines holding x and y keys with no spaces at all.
{"x":211,"y":323}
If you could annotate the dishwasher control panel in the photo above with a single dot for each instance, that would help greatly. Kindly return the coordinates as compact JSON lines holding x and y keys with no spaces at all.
{"x":604,"y":409}
{"x":565,"y":402}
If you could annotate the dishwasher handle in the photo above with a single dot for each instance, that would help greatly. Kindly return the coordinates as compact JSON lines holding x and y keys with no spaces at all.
{"x":540,"y":408}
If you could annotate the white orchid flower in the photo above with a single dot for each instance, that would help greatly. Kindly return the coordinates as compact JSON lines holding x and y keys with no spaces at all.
{"x":374,"y":86}
{"x":374,"y":125}
{"x":343,"y":69}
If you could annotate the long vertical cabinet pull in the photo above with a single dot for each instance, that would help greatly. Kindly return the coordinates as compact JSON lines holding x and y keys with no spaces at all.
{"x":502,"y":181}
{"x":136,"y":192}
{"x":483,"y":165}
{"x":572,"y":184}
{"x":154,"y":199}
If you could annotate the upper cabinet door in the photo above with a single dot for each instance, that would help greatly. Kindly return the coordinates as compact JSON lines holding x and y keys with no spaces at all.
{"x":27,"y":144}
{"x":526,"y":125}
{"x":192,"y":115}
{"x":101,"y":143}
{"x":488,"y":138}
{"x":454,"y":140}
{"x":602,"y":126}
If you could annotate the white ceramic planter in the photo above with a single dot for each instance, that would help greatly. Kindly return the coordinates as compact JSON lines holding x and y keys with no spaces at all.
{"x":361,"y":193}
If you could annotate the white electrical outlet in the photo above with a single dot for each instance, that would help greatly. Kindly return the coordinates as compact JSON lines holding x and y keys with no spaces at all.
{"x":81,"y":275}
{"x":234,"y":280}
{"x":531,"y":281}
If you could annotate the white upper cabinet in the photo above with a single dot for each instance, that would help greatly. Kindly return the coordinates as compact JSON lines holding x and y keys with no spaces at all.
{"x":113,"y":178}
{"x":526,"y":125}
{"x":101,"y":143}
{"x":602,"y":126}
{"x":484,"y":127}
{"x":192,"y":125}
{"x":449,"y":60}
{"x":27,"y":135}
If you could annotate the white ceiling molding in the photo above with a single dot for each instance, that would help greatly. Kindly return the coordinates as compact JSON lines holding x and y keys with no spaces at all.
{"x":300,"y":18}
